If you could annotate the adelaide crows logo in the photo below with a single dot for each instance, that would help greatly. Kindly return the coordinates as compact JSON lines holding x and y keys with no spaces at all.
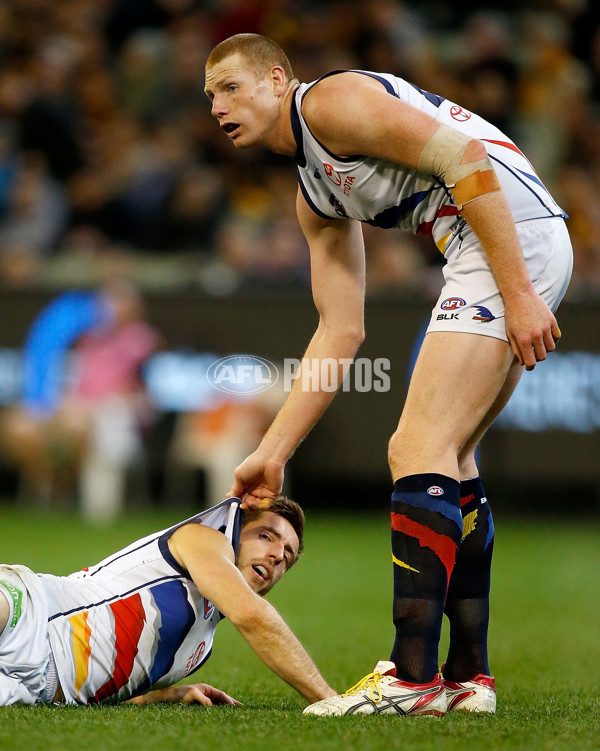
{"x":484,"y":315}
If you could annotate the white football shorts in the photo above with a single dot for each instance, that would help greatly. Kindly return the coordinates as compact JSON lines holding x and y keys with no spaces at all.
{"x":470,"y":301}
{"x":27,"y":670}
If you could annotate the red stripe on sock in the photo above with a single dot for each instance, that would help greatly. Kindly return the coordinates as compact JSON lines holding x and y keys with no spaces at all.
{"x":444,"y":547}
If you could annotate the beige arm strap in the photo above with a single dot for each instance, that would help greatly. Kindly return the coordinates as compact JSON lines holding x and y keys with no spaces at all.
{"x":441,"y":156}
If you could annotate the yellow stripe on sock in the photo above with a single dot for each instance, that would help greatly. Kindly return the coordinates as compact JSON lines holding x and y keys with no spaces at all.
{"x":404,"y":565}
{"x":469,"y":523}
{"x":81,"y":648}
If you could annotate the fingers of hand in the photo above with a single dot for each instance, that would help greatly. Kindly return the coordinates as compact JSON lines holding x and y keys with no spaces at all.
{"x":549,"y":341}
{"x":194,"y":696}
{"x":211,"y":695}
{"x":515,"y":348}
{"x":256,"y":503}
{"x":222,"y":698}
{"x":536,"y":350}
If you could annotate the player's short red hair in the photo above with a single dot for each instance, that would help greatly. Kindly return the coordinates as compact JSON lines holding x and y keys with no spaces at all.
{"x":261,"y":53}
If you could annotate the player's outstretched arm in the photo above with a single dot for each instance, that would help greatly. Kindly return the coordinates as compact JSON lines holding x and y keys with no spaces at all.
{"x":209,"y":558}
{"x":338,"y":286}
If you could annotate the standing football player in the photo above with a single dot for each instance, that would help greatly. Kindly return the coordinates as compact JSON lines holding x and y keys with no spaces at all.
{"x":371,"y":147}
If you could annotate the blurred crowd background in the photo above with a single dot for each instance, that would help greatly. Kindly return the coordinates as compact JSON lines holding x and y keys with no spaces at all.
{"x":116,"y":183}
{"x":109,"y":155}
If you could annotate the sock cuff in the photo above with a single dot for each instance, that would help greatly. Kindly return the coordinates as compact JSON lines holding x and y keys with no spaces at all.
{"x":428,"y":482}
{"x":471,"y":490}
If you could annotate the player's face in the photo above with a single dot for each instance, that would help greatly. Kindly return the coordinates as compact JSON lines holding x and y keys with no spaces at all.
{"x":245,"y":105}
{"x":268,"y":547}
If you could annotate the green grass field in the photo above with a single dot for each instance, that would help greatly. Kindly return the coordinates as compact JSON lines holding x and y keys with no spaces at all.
{"x":545,"y":644}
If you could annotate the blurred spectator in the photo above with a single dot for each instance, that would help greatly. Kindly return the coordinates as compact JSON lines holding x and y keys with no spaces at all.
{"x":83,"y":426}
{"x":109,"y":95}
{"x":35,"y":218}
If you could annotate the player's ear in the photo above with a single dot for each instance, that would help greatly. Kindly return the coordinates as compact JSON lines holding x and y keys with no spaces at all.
{"x":278,"y":79}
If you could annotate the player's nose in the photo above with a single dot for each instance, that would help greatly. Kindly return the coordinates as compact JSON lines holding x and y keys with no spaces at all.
{"x":217,"y":108}
{"x":277,"y":553}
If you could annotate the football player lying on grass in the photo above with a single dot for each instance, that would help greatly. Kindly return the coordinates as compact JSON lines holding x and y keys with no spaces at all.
{"x":145,"y":617}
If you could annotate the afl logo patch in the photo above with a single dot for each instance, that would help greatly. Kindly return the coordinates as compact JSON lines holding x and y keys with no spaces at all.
{"x":452,"y":303}
{"x":435,"y":490}
{"x":332,"y":174}
{"x":458,"y":113}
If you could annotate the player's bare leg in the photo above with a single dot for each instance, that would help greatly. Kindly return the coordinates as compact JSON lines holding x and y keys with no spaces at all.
{"x":457,"y":380}
{"x":469,"y":685}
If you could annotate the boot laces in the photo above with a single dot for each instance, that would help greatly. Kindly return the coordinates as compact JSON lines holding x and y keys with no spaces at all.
{"x":370,"y":682}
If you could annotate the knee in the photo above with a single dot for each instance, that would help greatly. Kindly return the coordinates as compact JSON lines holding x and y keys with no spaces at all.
{"x":467,"y":464}
{"x":398,"y":446}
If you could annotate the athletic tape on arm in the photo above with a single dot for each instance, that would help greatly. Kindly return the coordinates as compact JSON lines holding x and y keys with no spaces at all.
{"x":442,"y":155}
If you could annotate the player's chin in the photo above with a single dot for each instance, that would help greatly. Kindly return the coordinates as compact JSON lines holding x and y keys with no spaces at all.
{"x":256,"y":583}
{"x":243,"y":140}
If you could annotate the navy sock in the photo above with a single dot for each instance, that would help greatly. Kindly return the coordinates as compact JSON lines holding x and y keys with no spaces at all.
{"x":426,"y":534}
{"x":468,"y":601}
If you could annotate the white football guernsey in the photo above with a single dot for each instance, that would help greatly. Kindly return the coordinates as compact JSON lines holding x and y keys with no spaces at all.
{"x":388,"y":195}
{"x":135,"y":620}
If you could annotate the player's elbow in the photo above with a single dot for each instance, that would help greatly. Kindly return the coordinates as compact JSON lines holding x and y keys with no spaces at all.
{"x":355,"y":335}
{"x":347,"y":334}
{"x":475,"y":151}
{"x":249,"y":616}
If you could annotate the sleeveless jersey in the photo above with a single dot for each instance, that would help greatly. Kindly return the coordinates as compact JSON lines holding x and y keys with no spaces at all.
{"x":135,"y":620}
{"x":388,"y":195}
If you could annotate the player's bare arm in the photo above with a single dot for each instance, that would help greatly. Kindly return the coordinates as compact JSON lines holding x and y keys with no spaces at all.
{"x":209,"y":558}
{"x":338,"y":286}
{"x":393,"y":130}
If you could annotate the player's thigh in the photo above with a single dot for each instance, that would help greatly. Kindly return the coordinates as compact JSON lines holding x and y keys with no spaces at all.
{"x":456,"y":380}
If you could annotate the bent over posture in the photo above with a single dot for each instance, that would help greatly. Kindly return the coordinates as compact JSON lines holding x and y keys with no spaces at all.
{"x":145,"y":617}
{"x":371,"y":147}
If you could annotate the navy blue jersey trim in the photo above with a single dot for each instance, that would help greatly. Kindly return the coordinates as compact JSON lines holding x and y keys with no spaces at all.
{"x":163,"y":546}
{"x":388,"y":86}
{"x":434,"y":99}
{"x":163,"y":543}
{"x":335,"y":156}
{"x":376,"y":76}
{"x":237,"y":530}
{"x":297,"y":131}
{"x":120,"y":596}
{"x":390,"y":217}
{"x":309,"y":200}
{"x":529,"y":188}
